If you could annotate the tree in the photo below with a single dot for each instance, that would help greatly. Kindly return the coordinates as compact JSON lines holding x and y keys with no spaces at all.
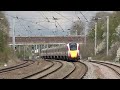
{"x":78,"y":27}
{"x":113,"y":24}
{"x":101,"y":25}
{"x":3,"y":37}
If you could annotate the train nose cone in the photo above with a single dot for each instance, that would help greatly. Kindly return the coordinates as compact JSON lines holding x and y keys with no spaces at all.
{"x":73,"y":54}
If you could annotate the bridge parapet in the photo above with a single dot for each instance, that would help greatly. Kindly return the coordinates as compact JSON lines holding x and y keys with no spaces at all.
{"x":49,"y":39}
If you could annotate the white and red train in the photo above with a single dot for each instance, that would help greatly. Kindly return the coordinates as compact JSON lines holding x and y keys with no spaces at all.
{"x":70,"y":51}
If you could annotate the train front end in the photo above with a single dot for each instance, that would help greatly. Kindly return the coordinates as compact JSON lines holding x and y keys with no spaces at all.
{"x":74,"y":51}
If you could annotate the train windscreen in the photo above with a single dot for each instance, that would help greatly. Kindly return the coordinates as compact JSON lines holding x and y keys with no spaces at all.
{"x":73,"y":46}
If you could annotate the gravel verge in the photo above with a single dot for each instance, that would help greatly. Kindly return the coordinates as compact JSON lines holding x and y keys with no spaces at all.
{"x":96,"y":71}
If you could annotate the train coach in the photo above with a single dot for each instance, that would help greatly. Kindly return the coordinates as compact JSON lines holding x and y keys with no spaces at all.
{"x":70,"y":51}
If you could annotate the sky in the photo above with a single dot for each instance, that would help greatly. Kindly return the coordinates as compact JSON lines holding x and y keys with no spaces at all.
{"x":41,"y":23}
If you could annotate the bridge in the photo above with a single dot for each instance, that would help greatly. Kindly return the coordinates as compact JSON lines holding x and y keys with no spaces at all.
{"x":36,"y":44}
{"x":47,"y":40}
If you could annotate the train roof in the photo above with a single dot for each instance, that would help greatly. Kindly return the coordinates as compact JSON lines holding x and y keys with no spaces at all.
{"x":54,"y":47}
{"x":58,"y":46}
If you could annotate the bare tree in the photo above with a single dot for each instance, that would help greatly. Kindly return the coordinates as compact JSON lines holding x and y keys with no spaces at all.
{"x":77,"y":27}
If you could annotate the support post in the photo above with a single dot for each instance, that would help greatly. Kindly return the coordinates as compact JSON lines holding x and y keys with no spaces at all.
{"x":13,"y":36}
{"x":107,"y":34}
{"x":95,"y":36}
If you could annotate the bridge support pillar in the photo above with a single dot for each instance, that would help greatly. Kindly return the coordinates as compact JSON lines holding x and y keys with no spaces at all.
{"x":36,"y":47}
{"x":46,"y":45}
{"x":39,"y":50}
{"x":43,"y":45}
{"x":24,"y":51}
{"x":19,"y":48}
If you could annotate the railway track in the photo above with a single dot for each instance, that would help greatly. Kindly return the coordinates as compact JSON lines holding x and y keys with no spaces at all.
{"x":55,"y":69}
{"x":45,"y":72}
{"x":61,"y":70}
{"x":79,"y":71}
{"x":26,"y":71}
{"x":113,"y":67}
{"x":66,"y":68}
{"x":22,"y":65}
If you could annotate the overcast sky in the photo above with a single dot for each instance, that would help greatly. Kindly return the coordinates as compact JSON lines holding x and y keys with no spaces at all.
{"x":37,"y":23}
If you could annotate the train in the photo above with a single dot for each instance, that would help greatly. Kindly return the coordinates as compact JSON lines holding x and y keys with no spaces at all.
{"x":69,"y":51}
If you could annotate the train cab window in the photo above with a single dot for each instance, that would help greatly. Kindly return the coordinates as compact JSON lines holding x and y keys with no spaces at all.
{"x":73,"y":46}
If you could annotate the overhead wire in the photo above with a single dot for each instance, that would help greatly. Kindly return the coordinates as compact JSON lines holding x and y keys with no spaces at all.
{"x":55,"y":28}
{"x":77,"y":16}
{"x":18,"y":30}
{"x":54,"y":32}
{"x":37,"y":22}
{"x":29,"y":21}
{"x":58,"y":24}
{"x":84,"y":16}
{"x":18,"y":27}
{"x":23,"y":25}
{"x":64,"y":17}
{"x":45,"y":17}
